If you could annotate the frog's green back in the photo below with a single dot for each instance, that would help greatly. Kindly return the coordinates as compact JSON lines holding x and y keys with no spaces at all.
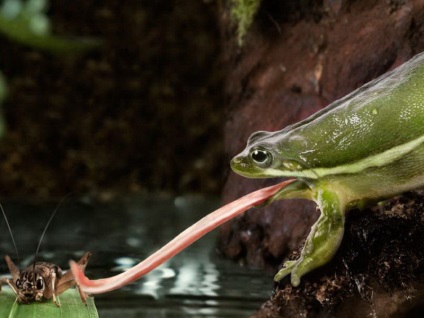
{"x":381,"y":115}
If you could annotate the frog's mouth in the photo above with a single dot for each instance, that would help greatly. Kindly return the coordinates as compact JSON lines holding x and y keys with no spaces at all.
{"x":281,"y":188}
{"x":179,"y":243}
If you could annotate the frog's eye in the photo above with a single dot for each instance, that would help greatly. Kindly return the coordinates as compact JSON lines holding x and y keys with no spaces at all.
{"x":262,"y":158}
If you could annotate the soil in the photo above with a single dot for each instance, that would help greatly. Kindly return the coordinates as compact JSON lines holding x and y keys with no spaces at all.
{"x":378,"y":270}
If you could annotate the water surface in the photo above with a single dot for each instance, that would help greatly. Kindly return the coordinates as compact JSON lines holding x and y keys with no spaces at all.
{"x":195,"y":283}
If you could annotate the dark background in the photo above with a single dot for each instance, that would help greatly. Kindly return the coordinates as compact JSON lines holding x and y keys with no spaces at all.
{"x":142,"y":112}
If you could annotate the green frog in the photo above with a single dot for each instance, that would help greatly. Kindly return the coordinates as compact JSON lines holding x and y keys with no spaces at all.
{"x":363,"y":148}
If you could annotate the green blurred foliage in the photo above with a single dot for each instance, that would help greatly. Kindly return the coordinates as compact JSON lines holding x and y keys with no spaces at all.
{"x":26,"y":22}
{"x":144,"y":112}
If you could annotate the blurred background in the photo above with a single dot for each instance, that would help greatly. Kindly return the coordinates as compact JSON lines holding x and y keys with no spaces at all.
{"x":119,"y":104}
{"x":105,"y":97}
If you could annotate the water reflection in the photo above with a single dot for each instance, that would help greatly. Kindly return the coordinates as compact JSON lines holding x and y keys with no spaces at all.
{"x":195,"y":283}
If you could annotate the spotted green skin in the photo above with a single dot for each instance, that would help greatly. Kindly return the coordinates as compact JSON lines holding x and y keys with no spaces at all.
{"x":364,"y":147}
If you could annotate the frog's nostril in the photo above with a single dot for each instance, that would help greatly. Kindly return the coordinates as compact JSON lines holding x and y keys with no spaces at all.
{"x":235,"y":162}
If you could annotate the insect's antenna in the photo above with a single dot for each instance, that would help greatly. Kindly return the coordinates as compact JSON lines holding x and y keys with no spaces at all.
{"x":10,"y":231}
{"x":47,"y":225}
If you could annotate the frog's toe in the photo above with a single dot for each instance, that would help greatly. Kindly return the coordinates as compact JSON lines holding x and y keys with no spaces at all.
{"x":295,"y":277}
{"x":294,"y":268}
{"x":286,"y":270}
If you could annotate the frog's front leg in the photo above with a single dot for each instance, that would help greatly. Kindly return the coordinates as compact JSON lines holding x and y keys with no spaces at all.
{"x":323,"y":240}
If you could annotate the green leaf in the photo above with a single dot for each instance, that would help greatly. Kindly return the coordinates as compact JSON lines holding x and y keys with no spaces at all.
{"x":71,"y":306}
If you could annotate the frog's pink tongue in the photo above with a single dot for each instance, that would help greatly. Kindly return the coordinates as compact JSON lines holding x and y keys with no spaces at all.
{"x":189,"y":236}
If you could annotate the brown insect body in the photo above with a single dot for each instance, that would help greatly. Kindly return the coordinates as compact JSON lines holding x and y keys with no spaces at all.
{"x":42,"y":280}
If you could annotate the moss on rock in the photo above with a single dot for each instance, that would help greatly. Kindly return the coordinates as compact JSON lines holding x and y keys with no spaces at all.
{"x":243,"y":12}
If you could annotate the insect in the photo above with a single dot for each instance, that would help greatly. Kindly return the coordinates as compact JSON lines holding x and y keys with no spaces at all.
{"x":362,"y":148}
{"x":41,"y":280}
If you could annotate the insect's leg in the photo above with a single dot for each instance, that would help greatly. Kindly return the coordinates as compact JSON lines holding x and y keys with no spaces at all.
{"x":12,"y":285}
{"x":65,"y":285}
{"x":82,"y":294}
{"x":53,"y":288}
{"x":8,"y":281}
{"x":323,"y":240}
{"x":14,"y":271}
{"x":67,"y":280}
{"x":82,"y":263}
{"x":3,"y":281}
{"x":68,"y":277}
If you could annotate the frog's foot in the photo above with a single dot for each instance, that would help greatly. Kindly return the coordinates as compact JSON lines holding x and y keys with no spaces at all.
{"x":286,"y":270}
{"x":301,"y":267}
{"x":297,"y":269}
{"x":323,"y":240}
